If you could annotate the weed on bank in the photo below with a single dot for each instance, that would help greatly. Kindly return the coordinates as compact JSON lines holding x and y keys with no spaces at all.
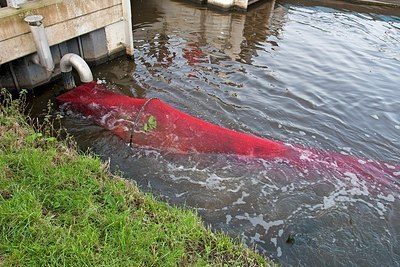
{"x":59,"y":206}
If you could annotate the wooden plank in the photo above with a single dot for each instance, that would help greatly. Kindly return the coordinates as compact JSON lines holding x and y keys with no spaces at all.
{"x":23,"y":45}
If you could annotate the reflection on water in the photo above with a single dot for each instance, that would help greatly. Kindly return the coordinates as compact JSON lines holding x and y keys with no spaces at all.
{"x":319,"y":76}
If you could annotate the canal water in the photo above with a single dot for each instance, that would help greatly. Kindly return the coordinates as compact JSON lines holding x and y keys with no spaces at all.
{"x":320,"y":75}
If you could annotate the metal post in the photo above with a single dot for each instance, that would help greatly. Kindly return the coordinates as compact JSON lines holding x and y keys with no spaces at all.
{"x":35,"y":23}
{"x":126,"y":10}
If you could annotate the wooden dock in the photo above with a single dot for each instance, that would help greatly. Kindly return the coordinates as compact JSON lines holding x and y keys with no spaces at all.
{"x":93,"y":29}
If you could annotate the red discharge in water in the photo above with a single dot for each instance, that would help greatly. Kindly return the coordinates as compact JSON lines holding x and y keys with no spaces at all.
{"x":152,"y":123}
{"x":193,"y":53}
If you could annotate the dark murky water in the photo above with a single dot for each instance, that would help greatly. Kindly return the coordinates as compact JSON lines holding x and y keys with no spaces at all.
{"x":324,"y":77}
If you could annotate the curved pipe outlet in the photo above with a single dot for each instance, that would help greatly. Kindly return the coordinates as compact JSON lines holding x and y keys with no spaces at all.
{"x":72,"y":60}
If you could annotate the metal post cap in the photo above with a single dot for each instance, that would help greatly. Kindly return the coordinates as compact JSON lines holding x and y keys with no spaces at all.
{"x":34,"y":20}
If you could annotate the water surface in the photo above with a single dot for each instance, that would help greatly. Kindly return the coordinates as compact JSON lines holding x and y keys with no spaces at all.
{"x":325,"y":77}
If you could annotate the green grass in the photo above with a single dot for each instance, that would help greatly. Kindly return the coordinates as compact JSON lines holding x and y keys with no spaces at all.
{"x":62,"y":207}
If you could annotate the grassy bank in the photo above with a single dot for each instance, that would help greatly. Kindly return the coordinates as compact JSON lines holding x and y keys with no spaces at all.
{"x":62,"y":207}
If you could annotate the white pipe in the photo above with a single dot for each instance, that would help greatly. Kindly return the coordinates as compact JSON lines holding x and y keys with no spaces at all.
{"x":35,"y":23}
{"x":72,"y":60}
{"x":35,"y":59}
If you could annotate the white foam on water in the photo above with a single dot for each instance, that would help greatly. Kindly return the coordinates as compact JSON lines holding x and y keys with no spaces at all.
{"x":110,"y":119}
{"x":94,"y":105}
{"x":151,"y":152}
{"x":180,"y":194}
{"x":228,"y":218}
{"x":105,"y":117}
{"x":352,"y":176}
{"x":264,"y":190}
{"x":240,"y":200}
{"x":187,"y":178}
{"x":279,"y":252}
{"x":338,"y":193}
{"x":355,"y":190}
{"x":256,"y":238}
{"x":389,"y":197}
{"x":362,"y":161}
{"x":358,"y":192}
{"x":360,"y":186}
{"x":374,"y":116}
{"x":237,"y":189}
{"x":101,"y":81}
{"x":289,"y":187}
{"x":259,"y":220}
{"x":280,"y":232}
{"x":254,"y":181}
{"x":381,"y":206}
{"x":347,"y":149}
{"x":306,"y":155}
{"x":389,"y":166}
{"x":329,"y":202}
{"x":214,"y":182}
